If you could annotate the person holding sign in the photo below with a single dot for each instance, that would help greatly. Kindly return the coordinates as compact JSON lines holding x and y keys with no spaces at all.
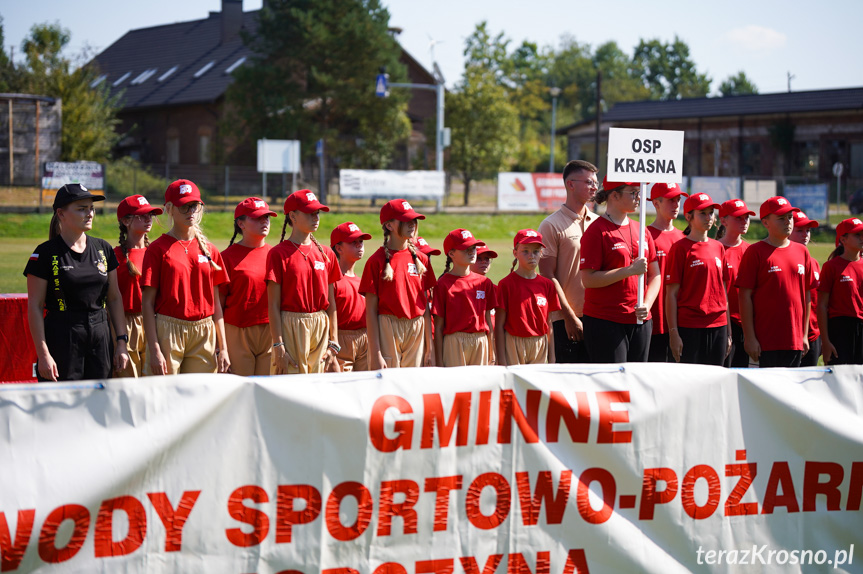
{"x":616,"y":328}
{"x":666,"y":201}
{"x":774,"y":280}
{"x":561,"y":259}
{"x":696,"y":305}
{"x":733,"y":224}
{"x":840,"y":301}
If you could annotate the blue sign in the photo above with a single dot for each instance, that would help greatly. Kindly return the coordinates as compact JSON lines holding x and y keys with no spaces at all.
{"x":319,"y":148}
{"x":381,"y":86}
{"x":812,"y":199}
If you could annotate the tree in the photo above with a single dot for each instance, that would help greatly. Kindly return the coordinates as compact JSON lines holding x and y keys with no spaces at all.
{"x":738,"y":85}
{"x":484,"y":127}
{"x":8,"y":73}
{"x":89,"y":114}
{"x":313,"y":77}
{"x":667,"y":70}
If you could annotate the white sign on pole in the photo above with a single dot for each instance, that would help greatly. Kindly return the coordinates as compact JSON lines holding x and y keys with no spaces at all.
{"x":278,"y":156}
{"x":390,"y":183}
{"x":90,"y":174}
{"x":652,"y":156}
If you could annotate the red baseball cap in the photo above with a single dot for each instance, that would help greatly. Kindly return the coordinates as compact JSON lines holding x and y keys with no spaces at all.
{"x":182,"y":192}
{"x":527,"y":236}
{"x":253,"y":207}
{"x":668,"y":190}
{"x":699,"y":201}
{"x":734,"y":208}
{"x":136,"y":205}
{"x":484,"y":250}
{"x":612,"y":185}
{"x":347,"y":232}
{"x":778,"y":205}
{"x":801,"y":220}
{"x":399,"y":209}
{"x":852,"y":225}
{"x":425,"y":248}
{"x":460,"y":239}
{"x":303,"y":200}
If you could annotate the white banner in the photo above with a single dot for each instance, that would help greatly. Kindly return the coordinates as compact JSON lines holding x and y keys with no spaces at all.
{"x":279,"y":156}
{"x":90,"y":174}
{"x":720,"y":189}
{"x":546,"y":469}
{"x":389,"y":183}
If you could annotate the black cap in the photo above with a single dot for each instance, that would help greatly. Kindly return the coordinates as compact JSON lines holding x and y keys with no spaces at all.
{"x":73,"y":192}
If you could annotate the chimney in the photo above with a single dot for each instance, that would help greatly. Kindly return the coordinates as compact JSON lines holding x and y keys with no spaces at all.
{"x":232,"y":19}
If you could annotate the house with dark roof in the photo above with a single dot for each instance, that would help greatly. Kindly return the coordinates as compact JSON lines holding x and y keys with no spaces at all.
{"x":173,"y":78}
{"x":792,"y":134}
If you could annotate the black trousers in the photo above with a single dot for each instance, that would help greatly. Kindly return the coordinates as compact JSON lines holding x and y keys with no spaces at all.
{"x":705,"y":346}
{"x":80,"y":344}
{"x":810,"y":359}
{"x":610,"y":342}
{"x":846,"y":334}
{"x":779,"y":359}
{"x":566,"y":351}
{"x":737,"y":358}
{"x":660,"y":352}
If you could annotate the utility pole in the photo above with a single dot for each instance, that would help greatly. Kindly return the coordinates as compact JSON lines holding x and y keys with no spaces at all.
{"x":555,"y":92}
{"x":598,"y":115}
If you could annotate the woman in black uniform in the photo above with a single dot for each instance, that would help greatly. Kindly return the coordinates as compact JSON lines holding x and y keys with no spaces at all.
{"x":74,"y":277}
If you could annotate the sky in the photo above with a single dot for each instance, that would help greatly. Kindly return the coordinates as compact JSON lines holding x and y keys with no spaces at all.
{"x":818,"y":43}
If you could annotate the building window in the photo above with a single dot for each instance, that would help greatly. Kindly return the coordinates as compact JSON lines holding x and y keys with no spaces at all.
{"x":805,"y":160}
{"x":172,"y":148}
{"x":204,"y":149}
{"x":857,"y":160}
{"x":751,"y":158}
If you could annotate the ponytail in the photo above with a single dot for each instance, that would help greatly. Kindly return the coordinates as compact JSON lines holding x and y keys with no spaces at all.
{"x":840,"y":249}
{"x":421,"y":269}
{"x":237,"y":230}
{"x":720,"y":232}
{"x":133,"y":269}
{"x":601,"y":196}
{"x":447,"y":266}
{"x":321,"y":249}
{"x":387,"y":274}
{"x":688,"y":229}
{"x":54,"y":228}
{"x":285,"y":226}
{"x":514,"y":263}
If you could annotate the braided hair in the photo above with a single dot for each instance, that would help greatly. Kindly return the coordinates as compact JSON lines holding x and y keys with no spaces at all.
{"x":388,"y":269}
{"x":514,"y":263}
{"x":237,"y":230}
{"x":447,"y":266}
{"x":124,"y":232}
{"x":720,"y":232}
{"x":199,"y":235}
{"x":840,"y":249}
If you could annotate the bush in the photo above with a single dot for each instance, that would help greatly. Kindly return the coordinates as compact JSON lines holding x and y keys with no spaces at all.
{"x":126,"y":176}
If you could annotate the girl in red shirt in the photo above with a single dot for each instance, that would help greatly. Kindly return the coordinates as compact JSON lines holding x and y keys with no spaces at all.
{"x":801,"y":235}
{"x":462,"y":305}
{"x":666,"y":201}
{"x":610,"y":267}
{"x":396,"y":280}
{"x":774,"y":281}
{"x":733,"y":224}
{"x":135,"y":217}
{"x":840,"y":300}
{"x":525,"y":301}
{"x":244,"y":299}
{"x":695,"y":300}
{"x":180,"y":300}
{"x":301,"y":274}
{"x":346,"y":240}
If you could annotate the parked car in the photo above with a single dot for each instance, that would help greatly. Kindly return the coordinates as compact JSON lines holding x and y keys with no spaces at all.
{"x":855,"y":202}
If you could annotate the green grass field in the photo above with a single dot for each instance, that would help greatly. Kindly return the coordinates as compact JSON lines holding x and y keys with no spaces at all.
{"x":20,"y":233}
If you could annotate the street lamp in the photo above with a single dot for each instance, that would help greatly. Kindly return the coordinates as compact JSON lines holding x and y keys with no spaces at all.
{"x":555,"y":91}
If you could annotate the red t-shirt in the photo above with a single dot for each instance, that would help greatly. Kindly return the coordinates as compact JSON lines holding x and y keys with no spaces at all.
{"x":733,"y":255}
{"x":663,"y":240}
{"x":814,"y":331}
{"x":130,"y":285}
{"x":304,"y":275}
{"x":779,"y":279}
{"x":463,"y":301}
{"x":843,"y":281}
{"x":405,"y":296}
{"x":246,"y":302}
{"x":527,"y":303}
{"x":350,"y":303}
{"x":184,"y":280}
{"x":698,"y":268}
{"x":606,"y":246}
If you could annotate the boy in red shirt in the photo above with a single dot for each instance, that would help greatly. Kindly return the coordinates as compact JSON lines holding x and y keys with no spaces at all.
{"x":733,"y":224}
{"x":774,"y":282}
{"x":346,"y":241}
{"x":801,"y":234}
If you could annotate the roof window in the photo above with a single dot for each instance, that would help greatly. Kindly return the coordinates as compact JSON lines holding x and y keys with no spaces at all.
{"x":235,"y":65}
{"x":164,"y":76}
{"x":204,"y":70}
{"x":144,"y":76}
{"x":121,"y":79}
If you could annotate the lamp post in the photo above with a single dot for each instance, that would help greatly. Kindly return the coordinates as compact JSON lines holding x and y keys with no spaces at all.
{"x":555,"y":91}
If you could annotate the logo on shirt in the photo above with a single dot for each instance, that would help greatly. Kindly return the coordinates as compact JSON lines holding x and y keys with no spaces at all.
{"x":34,"y":257}
{"x":353,"y":227}
{"x":202,"y":258}
{"x":660,"y":253}
{"x":619,"y":245}
{"x":143,"y":201}
{"x":817,"y":276}
{"x":185,"y":188}
{"x":696,"y":263}
{"x":319,"y":266}
{"x":102,"y":263}
{"x":668,"y":277}
{"x":774,"y":269}
{"x":260,"y":204}
{"x":480,"y":294}
{"x":800,"y":269}
{"x":541,"y":301}
{"x":718,"y":262}
{"x":846,"y":279}
{"x":310,"y":196}
{"x":581,"y":261}
{"x":412,"y":269}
